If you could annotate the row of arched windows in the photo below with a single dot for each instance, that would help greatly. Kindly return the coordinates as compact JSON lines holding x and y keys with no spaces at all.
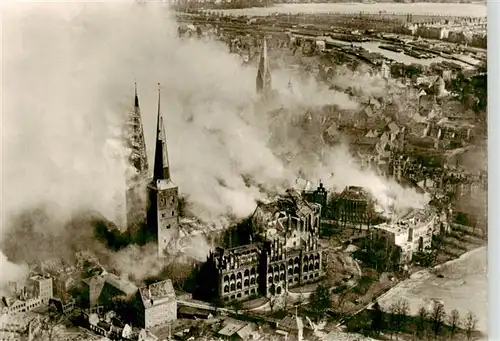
{"x":310,"y":258}
{"x":238,"y":285}
{"x":239,"y":275}
{"x":276,"y":268}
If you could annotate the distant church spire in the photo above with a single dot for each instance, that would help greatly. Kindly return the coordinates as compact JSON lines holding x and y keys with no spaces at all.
{"x":263,"y":74}
{"x":161,"y":166}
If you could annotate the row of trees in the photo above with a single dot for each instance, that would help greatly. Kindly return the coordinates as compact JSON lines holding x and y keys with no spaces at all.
{"x":429,"y":323}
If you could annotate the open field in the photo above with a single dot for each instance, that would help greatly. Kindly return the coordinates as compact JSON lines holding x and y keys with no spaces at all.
{"x":464,"y":287}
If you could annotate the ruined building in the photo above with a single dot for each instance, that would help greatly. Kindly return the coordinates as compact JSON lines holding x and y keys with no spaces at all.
{"x":354,"y":207}
{"x":138,"y":175}
{"x":263,"y":81}
{"x":283,"y":252}
{"x":163,"y":194}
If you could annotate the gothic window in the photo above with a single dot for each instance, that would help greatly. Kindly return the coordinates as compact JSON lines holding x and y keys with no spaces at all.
{"x":305,"y":268}
{"x":233,"y":277}
{"x":296,"y":279}
{"x":305,"y":259}
{"x":276,"y":278}
{"x":316,"y":275}
{"x":276,"y":268}
{"x":296,"y":270}
{"x":233,"y":287}
{"x":173,"y":213}
{"x":252,"y":281}
{"x":238,"y":275}
{"x":247,"y":273}
{"x":172,"y":199}
{"x":226,"y":278}
{"x":297,"y":260}
{"x":282,"y":267}
{"x":252,"y":271}
{"x":316,"y":266}
{"x":290,"y":271}
{"x":317,"y":256}
{"x":245,"y":283}
{"x":270,"y":279}
{"x":252,"y":291}
{"x":226,"y":288}
{"x":290,"y":262}
{"x":270,"y":269}
{"x":282,"y":277}
{"x":311,"y":268}
{"x":278,"y":290}
{"x":238,"y":285}
{"x":271,"y":290}
{"x":310,"y":276}
{"x":305,"y":278}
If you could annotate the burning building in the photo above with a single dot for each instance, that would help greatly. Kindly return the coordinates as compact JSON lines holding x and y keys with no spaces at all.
{"x":283,"y":252}
{"x":354,"y":207}
{"x":35,"y":293}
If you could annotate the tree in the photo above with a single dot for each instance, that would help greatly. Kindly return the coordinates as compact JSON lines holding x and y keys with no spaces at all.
{"x":470,"y":324}
{"x":421,"y":322}
{"x":438,"y":315}
{"x":454,"y":322}
{"x":320,"y":301}
{"x":403,"y":309}
{"x":377,"y":318}
{"x":393,"y":311}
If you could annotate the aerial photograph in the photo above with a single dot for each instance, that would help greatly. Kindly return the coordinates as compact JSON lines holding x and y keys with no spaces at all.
{"x":244,"y":170}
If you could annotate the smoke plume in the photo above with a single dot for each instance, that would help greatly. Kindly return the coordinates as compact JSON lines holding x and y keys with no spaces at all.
{"x":69,"y":71}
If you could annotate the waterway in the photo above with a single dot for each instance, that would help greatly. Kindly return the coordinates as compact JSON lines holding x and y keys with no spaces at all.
{"x":444,"y":9}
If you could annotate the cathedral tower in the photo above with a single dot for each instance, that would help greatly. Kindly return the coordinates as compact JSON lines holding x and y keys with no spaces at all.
{"x":163,"y":208}
{"x":263,"y":80}
{"x":137,"y":176}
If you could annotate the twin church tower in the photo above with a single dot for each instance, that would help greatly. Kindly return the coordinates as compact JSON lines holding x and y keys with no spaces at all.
{"x":152,"y":204}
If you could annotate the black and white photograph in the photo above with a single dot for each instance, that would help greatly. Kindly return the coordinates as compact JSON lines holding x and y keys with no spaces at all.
{"x":251,"y":170}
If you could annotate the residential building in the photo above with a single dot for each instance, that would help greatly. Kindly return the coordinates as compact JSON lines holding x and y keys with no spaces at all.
{"x":157,"y":304}
{"x":37,"y":292}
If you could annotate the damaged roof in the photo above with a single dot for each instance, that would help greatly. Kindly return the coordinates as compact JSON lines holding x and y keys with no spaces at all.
{"x":292,"y":203}
{"x":355,"y":193}
{"x":157,"y":293}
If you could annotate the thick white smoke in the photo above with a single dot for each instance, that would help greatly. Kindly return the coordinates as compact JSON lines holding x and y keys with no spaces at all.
{"x":68,"y":76}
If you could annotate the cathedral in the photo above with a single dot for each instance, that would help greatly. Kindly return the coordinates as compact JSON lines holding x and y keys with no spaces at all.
{"x":152,"y":203}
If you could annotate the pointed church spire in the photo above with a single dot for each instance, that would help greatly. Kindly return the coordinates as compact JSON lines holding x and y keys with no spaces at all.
{"x":135,"y":138}
{"x":161,"y":166}
{"x":136,"y":97}
{"x":263,"y":74}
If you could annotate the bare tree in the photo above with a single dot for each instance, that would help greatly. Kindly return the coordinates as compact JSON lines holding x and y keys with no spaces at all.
{"x":470,"y":324}
{"x":393,"y":320}
{"x":403,"y":310}
{"x":438,"y":315}
{"x":454,"y":322}
{"x":421,"y":322}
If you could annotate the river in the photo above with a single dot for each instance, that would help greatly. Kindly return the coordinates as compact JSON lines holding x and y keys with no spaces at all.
{"x":445,"y":9}
{"x":464,"y":286}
